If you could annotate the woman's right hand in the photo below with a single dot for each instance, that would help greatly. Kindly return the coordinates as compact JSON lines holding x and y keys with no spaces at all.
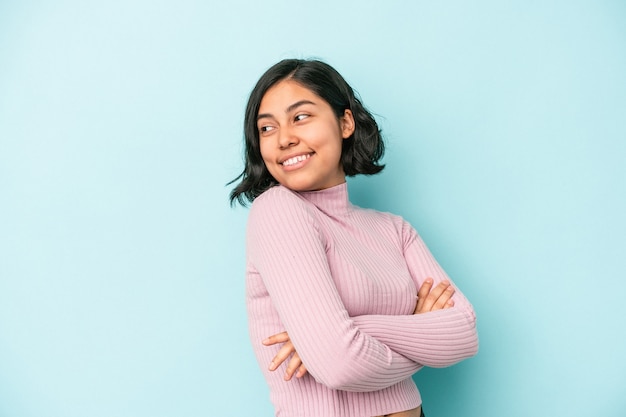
{"x":287,"y":350}
{"x":432,"y":299}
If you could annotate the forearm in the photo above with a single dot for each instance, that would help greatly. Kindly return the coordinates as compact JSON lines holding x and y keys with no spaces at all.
{"x":436,"y":339}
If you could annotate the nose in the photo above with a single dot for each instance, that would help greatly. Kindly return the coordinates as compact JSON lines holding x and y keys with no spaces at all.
{"x":287,"y":138}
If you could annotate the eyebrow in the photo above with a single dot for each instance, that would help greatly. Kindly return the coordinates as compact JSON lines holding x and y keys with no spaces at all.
{"x":289,"y":109}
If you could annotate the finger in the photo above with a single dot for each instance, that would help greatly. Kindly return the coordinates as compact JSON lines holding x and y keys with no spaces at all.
{"x":301,"y":371}
{"x":423,"y":293}
{"x":443,"y":299}
{"x":277,"y":338}
{"x":449,"y":304}
{"x":282,"y":355}
{"x":292,"y":366}
{"x":434,"y":295}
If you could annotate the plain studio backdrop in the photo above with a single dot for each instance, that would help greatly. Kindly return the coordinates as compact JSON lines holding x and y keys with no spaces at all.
{"x":122,"y":263}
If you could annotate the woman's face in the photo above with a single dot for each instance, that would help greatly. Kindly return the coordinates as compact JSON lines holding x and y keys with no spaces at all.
{"x":301,"y":137}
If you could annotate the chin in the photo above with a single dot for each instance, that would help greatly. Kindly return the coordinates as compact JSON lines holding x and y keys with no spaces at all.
{"x":299,"y":185}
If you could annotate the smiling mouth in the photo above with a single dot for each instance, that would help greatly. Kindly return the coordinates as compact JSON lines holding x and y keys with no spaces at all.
{"x":294,"y":160}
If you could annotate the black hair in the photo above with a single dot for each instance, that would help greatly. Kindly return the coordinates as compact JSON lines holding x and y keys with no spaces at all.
{"x":360,"y":152}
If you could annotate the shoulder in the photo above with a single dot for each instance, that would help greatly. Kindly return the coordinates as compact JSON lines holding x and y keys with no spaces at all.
{"x":277,"y":192}
{"x":280,"y":215}
{"x":390,"y":219}
{"x":401,"y":227}
{"x":280,"y":205}
{"x":278,"y":198}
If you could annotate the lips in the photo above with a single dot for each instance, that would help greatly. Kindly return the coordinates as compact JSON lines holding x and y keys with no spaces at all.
{"x":295,"y":159}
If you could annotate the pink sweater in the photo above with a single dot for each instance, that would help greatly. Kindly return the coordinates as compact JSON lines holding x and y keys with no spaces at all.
{"x":342,"y":281}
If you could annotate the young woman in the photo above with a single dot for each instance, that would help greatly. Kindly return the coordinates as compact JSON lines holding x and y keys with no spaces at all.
{"x":351,"y":299}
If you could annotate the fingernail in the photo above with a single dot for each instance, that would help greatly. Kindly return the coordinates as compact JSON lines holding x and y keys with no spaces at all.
{"x":272,"y":366}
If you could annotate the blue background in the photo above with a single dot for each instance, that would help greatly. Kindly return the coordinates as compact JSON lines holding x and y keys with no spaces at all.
{"x":122,"y":264}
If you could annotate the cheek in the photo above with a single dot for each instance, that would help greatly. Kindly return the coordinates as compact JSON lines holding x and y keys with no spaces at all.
{"x":269,"y":159}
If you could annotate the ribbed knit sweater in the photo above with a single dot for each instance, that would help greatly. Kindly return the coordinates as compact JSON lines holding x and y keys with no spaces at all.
{"x":342,"y":281}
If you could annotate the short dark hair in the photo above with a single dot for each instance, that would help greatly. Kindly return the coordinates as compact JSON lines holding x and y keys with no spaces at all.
{"x":360,"y":152}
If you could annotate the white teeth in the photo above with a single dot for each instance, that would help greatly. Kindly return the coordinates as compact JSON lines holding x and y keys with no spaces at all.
{"x":296,"y":159}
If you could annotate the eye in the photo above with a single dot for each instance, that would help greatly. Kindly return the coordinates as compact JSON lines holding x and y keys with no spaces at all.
{"x":266,"y":129}
{"x":300,"y":117}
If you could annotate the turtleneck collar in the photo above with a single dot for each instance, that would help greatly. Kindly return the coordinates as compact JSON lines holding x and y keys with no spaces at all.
{"x":332,"y":201}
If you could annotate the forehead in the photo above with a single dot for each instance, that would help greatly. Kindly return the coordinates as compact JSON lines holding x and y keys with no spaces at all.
{"x":285,"y":93}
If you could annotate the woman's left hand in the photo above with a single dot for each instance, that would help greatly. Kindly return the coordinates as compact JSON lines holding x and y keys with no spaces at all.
{"x":432,"y":299}
{"x":295,"y":365}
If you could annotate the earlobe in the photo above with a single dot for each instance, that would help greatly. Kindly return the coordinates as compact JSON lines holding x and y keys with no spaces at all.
{"x":347,"y":124}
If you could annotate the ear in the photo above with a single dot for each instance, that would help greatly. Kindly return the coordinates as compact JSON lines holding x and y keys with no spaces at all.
{"x":346,"y":123}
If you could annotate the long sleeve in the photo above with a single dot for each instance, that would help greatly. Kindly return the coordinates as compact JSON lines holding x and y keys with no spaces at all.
{"x":436,"y":339}
{"x":287,"y":248}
